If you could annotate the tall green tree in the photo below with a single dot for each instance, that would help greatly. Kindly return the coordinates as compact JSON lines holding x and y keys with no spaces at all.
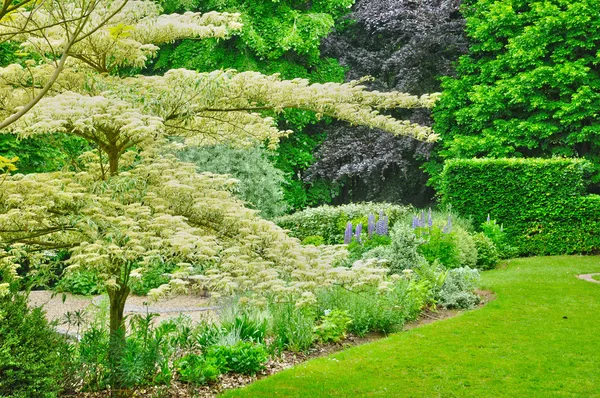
{"x":530,"y":85}
{"x":278,"y":37}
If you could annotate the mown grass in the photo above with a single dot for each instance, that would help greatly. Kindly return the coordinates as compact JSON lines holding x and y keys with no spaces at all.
{"x":596,"y":277}
{"x":539,"y":338}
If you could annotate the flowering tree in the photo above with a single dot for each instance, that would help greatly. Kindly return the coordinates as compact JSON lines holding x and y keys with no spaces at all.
{"x":134,"y":206}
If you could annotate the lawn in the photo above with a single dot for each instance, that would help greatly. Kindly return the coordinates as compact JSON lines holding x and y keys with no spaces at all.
{"x":596,"y":277}
{"x":539,"y":338}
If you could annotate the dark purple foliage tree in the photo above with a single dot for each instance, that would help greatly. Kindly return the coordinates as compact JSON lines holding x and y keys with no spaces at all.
{"x":405,"y":45}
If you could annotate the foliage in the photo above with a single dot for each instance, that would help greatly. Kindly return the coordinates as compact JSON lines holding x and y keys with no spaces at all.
{"x":244,"y":358}
{"x":333,"y":326}
{"x":467,"y":250}
{"x":439,"y":245}
{"x":487,"y":252}
{"x":197,"y":369}
{"x":30,"y":360}
{"x":250,"y":325}
{"x":42,"y":154}
{"x":372,"y":310}
{"x":260,"y":183}
{"x":528,"y":86}
{"x":84,"y":282}
{"x":403,"y":252}
{"x":372,"y":165}
{"x":496,"y":234}
{"x":404,"y":45}
{"x":277,"y":37}
{"x":316,"y":240}
{"x":152,"y":278}
{"x":358,"y":250}
{"x":458,"y":287}
{"x":330,"y":221}
{"x":291,"y":326}
{"x":540,"y":202}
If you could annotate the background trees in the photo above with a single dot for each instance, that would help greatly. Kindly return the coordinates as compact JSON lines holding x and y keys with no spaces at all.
{"x":405,"y":45}
{"x":529,"y":85}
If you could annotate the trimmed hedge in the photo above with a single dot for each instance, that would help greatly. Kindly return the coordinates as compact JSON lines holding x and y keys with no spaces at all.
{"x":330,"y":221}
{"x":541,"y":202}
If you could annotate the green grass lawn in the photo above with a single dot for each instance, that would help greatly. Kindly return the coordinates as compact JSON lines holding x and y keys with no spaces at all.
{"x":539,"y":338}
{"x":596,"y":277}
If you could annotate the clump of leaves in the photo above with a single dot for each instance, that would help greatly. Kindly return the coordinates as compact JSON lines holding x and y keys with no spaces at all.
{"x":333,"y":326}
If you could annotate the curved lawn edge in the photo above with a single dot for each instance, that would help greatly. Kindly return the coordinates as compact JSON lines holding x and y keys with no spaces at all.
{"x":538,"y":338}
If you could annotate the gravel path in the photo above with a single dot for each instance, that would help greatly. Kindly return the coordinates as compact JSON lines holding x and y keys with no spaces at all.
{"x":197,"y":307}
{"x":588,"y":277}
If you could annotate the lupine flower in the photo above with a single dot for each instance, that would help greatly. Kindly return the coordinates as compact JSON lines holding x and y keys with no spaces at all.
{"x":415,"y":222}
{"x":430,"y":219}
{"x":371,"y":225}
{"x":348,"y":233}
{"x":448,"y":227}
{"x":381,"y":228}
{"x":488,"y":218}
{"x":423,"y":221}
{"x":358,"y":231}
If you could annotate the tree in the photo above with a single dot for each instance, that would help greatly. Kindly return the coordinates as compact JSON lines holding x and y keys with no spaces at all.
{"x":405,"y":45}
{"x":278,"y":37}
{"x":39,"y":21}
{"x":133,"y":206}
{"x":529,"y":85}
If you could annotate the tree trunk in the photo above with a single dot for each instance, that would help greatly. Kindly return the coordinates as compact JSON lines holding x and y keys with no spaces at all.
{"x":117,"y":298}
{"x":113,"y":163}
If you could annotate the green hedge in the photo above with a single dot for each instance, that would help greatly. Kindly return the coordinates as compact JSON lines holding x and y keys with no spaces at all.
{"x":541,"y":202}
{"x":330,"y":221}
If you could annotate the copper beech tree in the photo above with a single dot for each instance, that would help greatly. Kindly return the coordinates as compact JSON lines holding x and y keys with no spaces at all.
{"x":134,"y":206}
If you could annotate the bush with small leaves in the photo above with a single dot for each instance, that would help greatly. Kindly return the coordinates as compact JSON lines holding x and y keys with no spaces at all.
{"x":458,"y":288}
{"x":30,"y":360}
{"x":487,"y":253}
{"x":196,"y":369}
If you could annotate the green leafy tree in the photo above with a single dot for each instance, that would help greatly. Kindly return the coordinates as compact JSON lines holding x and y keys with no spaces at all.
{"x":278,"y":37}
{"x":530,"y":85}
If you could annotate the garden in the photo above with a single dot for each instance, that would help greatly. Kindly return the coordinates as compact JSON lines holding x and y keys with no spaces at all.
{"x":282,"y":198}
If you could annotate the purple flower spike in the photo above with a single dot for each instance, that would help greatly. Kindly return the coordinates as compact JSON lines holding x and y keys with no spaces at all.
{"x":430,"y":219}
{"x":348,"y":233}
{"x":448,"y":228}
{"x":358,"y":231}
{"x":385,"y":227}
{"x":371,"y":225}
{"x":423,"y":221}
{"x":488,"y":218}
{"x":415,"y":222}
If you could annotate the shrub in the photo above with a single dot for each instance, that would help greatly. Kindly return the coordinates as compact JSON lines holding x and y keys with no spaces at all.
{"x":439,"y":245}
{"x":82,"y":282}
{"x":316,"y":240}
{"x":357,"y":250}
{"x":196,"y":369}
{"x":487,"y":253}
{"x":330,"y":221}
{"x":496,"y":234}
{"x":539,"y":201}
{"x":260,"y":182}
{"x":467,"y":250}
{"x":372,"y":310}
{"x":333,"y":326}
{"x":402,"y":253}
{"x":30,"y":350}
{"x":244,"y":357}
{"x":457,"y":290}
